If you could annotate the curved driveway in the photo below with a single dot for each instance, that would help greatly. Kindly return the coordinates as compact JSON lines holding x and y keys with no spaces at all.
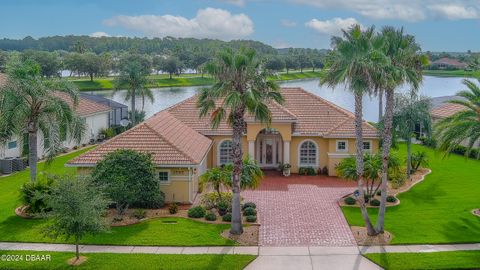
{"x":301,"y":211}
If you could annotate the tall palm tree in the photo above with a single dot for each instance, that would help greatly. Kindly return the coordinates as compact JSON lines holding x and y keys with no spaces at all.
{"x":463,"y":126}
{"x":134,"y":75}
{"x":409,"y":111}
{"x":356,"y":60}
{"x":241,"y":87}
{"x":404,"y":67}
{"x":29,"y":104}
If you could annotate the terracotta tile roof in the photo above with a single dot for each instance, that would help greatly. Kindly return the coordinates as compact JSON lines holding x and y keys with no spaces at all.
{"x":310,"y":114}
{"x":446,"y":110}
{"x":168,"y":140}
{"x":449,"y":62}
{"x":3,"y":79}
{"x":85,"y":106}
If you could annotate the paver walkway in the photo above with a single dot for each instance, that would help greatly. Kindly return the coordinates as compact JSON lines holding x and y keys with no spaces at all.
{"x":301,"y":210}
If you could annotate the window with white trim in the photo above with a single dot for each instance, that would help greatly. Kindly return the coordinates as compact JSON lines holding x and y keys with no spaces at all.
{"x":308,"y":153}
{"x":225,"y":152}
{"x":164,"y":177}
{"x":342,"y":146}
{"x":367,"y":145}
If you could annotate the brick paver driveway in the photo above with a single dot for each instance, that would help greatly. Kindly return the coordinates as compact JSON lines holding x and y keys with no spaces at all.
{"x":301,"y":211}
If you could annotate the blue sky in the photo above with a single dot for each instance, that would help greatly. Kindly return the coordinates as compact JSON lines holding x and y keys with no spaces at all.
{"x":439,"y":25}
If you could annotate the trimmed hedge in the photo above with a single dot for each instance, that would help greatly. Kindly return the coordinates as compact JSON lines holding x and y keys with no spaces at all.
{"x":251,"y":218}
{"x":196,"y":212}
{"x":375,"y":202}
{"x":349,"y":201}
{"x":249,"y":211}
{"x":227,"y":217}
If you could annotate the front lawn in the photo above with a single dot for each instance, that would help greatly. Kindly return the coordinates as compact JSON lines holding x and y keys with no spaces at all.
{"x":131,"y":261}
{"x":433,"y":260}
{"x":184,"y":232}
{"x":436,"y":210}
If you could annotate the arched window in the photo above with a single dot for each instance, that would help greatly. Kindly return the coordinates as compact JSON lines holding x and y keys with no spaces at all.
{"x":308,"y":154}
{"x":225,"y":152}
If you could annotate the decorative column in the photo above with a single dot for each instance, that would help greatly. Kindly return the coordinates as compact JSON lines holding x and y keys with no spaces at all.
{"x":286,"y":152}
{"x":251,"y":149}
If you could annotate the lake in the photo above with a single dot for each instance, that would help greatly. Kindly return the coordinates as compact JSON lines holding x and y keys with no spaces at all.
{"x":165,"y":97}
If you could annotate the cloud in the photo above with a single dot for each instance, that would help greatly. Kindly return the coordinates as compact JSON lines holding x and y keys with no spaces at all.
{"x":288,"y":23}
{"x":331,"y":27}
{"x":99,"y":34}
{"x":406,"y":10}
{"x":208,"y":23}
{"x":239,"y":3}
{"x":455,"y":11}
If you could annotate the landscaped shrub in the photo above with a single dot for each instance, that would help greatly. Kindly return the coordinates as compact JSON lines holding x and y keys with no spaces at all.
{"x":350,"y":201}
{"x":210,"y":216}
{"x":375,"y":202}
{"x":173,"y":208}
{"x":139,"y":213}
{"x":196,"y":212}
{"x":391,"y":199}
{"x":35,"y":195}
{"x":252,"y":218}
{"x":249,"y":204}
{"x":379,"y":193}
{"x":222,"y":208}
{"x":398,"y":178}
{"x":306,"y":171}
{"x":212,"y":200}
{"x":249,"y":211}
{"x":325,"y":170}
{"x":227,"y":217}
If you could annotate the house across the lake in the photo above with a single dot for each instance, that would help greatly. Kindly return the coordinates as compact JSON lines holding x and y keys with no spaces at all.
{"x":448,"y":63}
{"x":306,"y":131}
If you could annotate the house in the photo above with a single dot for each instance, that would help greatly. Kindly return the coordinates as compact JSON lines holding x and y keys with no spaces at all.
{"x":306,"y":131}
{"x":118,"y":111}
{"x":447,"y":63}
{"x":95,"y":114}
{"x":441,"y":108}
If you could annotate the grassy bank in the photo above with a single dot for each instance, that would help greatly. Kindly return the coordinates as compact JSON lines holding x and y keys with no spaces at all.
{"x":434,"y":260}
{"x":162,"y":80}
{"x":184,"y":232}
{"x":437,"y":210}
{"x":452,"y":73}
{"x":129,"y":261}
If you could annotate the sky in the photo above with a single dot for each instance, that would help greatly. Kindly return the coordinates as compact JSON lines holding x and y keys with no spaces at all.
{"x":439,"y":25}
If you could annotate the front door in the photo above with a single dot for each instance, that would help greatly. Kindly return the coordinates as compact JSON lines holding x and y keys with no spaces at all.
{"x":269,"y":151}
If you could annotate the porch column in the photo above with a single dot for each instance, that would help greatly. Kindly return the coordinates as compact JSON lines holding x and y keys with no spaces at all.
{"x":286,"y":152}
{"x":251,"y":149}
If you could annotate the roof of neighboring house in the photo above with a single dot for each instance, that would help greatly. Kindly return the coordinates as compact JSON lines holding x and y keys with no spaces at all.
{"x":3,"y":78}
{"x":446,"y":110}
{"x":168,"y":140}
{"x":310,"y":114}
{"x":85,"y":106}
{"x":448,"y":61}
{"x":104,"y":100}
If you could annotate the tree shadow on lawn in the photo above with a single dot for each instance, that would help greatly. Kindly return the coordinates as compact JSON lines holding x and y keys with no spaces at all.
{"x":420,"y":195}
{"x":463,"y":230}
{"x":17,"y":229}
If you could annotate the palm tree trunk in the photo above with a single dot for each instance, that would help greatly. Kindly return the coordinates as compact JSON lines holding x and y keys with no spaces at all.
{"x":387,"y":143}
{"x":238,"y":126}
{"x":32,"y":150}
{"x":409,"y":156}
{"x":380,"y":105}
{"x":359,"y":161}
{"x":133,"y":108}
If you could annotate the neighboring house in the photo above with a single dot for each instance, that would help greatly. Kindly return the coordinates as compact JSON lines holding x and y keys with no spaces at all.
{"x":448,"y":63}
{"x":118,"y":111}
{"x":307,"y":131}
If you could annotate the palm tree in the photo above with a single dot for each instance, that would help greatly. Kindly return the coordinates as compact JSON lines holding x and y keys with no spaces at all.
{"x":410,"y":111}
{"x":251,"y":175}
{"x":463,"y":126}
{"x":133,"y":75}
{"x":217,"y":177}
{"x":29,"y":104}
{"x":241,"y":87}
{"x":404,"y":66}
{"x":355,"y":61}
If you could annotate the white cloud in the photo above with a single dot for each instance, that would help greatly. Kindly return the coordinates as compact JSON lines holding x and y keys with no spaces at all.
{"x":406,"y":10}
{"x":288,"y":23}
{"x":208,"y":23}
{"x":239,"y":3}
{"x":455,"y":11}
{"x":99,"y":34}
{"x":331,"y":27}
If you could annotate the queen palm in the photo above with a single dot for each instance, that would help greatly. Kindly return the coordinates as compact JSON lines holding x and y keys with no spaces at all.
{"x":356,"y":59}
{"x":134,"y":76}
{"x":241,"y":87}
{"x":404,"y":67}
{"x":29,"y":104}
{"x":463,"y":126}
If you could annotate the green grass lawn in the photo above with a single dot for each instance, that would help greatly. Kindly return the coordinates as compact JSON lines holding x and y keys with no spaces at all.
{"x":436,"y":210}
{"x":153,"y":232}
{"x":130,"y":261}
{"x":434,"y":260}
{"x":452,"y":73}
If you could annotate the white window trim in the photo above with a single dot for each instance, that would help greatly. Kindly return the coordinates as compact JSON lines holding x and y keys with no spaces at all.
{"x":341,"y":150}
{"x":218,"y":150}
{"x":371,"y":146}
{"x":169,"y":177}
{"x":316,"y":154}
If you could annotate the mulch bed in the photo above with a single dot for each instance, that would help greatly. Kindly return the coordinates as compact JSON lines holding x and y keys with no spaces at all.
{"x":74,"y":262}
{"x":363,"y":239}
{"x":248,"y":238}
{"x":476,"y":212}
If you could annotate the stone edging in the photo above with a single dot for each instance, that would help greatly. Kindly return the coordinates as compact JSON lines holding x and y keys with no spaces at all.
{"x":476,"y":212}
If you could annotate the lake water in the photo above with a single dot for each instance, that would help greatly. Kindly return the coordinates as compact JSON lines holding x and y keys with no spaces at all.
{"x":165,"y":97}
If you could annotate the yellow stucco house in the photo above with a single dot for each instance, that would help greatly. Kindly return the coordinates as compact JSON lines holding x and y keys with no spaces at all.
{"x":306,"y":131}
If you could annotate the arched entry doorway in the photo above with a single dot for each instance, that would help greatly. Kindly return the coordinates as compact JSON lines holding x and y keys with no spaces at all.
{"x":269,"y":148}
